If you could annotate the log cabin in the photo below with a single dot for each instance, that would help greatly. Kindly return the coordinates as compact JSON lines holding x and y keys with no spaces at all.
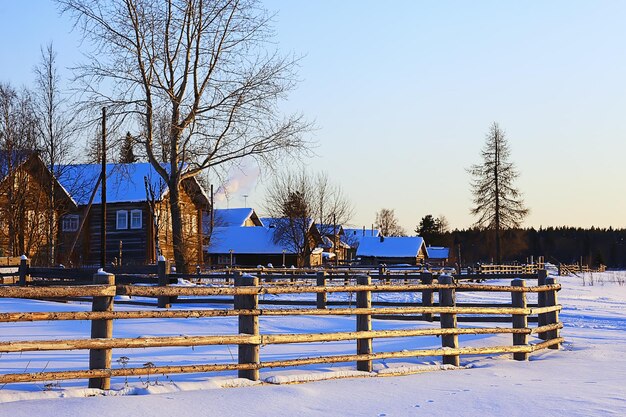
{"x":264,"y":244}
{"x":138,"y":221}
{"x":31,"y":202}
{"x":392,"y":250}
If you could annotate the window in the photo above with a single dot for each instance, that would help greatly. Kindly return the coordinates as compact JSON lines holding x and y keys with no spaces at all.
{"x":69,"y":223}
{"x":135,"y":219}
{"x":122,"y":220}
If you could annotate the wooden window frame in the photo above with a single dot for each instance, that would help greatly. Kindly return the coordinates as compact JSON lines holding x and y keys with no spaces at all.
{"x":67,"y":224}
{"x":117,"y":220}
{"x":132,"y":213}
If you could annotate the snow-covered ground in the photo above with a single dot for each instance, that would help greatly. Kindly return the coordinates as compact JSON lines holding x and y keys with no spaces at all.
{"x":584,"y":378}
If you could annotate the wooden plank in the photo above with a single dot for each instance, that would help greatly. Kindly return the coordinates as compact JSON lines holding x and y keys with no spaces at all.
{"x":428,"y":297}
{"x":249,"y":353}
{"x":520,"y":321}
{"x":188,"y":291}
{"x":321,"y":298}
{"x":82,"y":374}
{"x":101,"y":358}
{"x":178,"y":341}
{"x":364,"y":324}
{"x":552,"y":317}
{"x":58,"y":292}
{"x":148,"y":314}
{"x":447,"y":298}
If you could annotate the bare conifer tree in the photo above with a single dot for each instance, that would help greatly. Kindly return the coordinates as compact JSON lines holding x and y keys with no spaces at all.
{"x":208,"y":66}
{"x":497,"y":203}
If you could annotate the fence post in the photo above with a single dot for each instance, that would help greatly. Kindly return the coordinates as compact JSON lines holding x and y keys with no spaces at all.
{"x":553,"y":316}
{"x":520,"y":321}
{"x":427,"y":295}
{"x":248,"y":353}
{"x":447,"y":298}
{"x":163,"y":301}
{"x":322,"y":297}
{"x":364,"y":323}
{"x":101,"y":358}
{"x":23,"y":270}
{"x":542,"y":275}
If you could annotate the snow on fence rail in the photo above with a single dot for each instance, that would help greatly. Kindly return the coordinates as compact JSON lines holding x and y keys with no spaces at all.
{"x":250,"y":338}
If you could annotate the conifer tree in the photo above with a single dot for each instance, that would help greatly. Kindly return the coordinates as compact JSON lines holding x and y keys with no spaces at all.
{"x":497,"y":203}
{"x":127,"y":156}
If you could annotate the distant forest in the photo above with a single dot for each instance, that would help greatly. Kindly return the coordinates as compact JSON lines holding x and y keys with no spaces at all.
{"x":558,"y":245}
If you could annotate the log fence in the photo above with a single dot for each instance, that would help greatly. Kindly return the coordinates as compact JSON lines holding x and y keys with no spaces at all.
{"x":245,"y":293}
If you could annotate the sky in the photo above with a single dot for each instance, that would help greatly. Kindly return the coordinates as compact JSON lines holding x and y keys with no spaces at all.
{"x":402,"y":94}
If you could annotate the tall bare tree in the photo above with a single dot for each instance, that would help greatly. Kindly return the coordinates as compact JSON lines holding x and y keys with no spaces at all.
{"x":204,"y":63}
{"x":388,"y":223}
{"x":55,"y":127}
{"x":497,"y":203}
{"x":300,"y":199}
{"x":18,"y":140}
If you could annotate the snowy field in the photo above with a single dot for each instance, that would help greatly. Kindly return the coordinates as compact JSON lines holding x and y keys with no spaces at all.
{"x":585,"y":378}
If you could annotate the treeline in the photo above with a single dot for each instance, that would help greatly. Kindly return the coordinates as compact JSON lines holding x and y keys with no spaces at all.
{"x":593,"y":246}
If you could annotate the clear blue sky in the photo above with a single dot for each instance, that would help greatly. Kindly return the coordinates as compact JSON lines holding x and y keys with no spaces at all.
{"x":403,"y":93}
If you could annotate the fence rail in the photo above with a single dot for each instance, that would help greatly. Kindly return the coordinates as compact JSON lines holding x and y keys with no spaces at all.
{"x":567,"y":269}
{"x":245,"y":293}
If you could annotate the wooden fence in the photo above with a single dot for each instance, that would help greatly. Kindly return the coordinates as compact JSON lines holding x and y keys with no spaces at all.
{"x":9,"y":269}
{"x":567,"y":269}
{"x":510,"y":269}
{"x":438,"y":303}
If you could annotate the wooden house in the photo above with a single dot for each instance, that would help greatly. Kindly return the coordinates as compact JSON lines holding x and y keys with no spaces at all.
{"x":352,"y":238}
{"x":335,"y":249}
{"x":31,"y":202}
{"x":392,"y":250}
{"x":138,"y":221}
{"x":236,"y":217}
{"x":438,"y":255}
{"x":268,"y":244}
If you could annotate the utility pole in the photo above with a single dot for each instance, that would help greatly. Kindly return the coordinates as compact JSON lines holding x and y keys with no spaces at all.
{"x":103,"y":230}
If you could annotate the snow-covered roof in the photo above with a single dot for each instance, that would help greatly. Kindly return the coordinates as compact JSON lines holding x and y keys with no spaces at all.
{"x":438,"y":252}
{"x":245,"y":240}
{"x":125,"y":182}
{"x":12,"y":159}
{"x":232,"y":216}
{"x":390,"y":247}
{"x":283,"y":221}
{"x":329,"y":229}
{"x":352,"y":237}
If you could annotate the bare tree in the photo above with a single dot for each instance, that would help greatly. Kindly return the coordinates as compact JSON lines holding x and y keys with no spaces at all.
{"x":203,"y":63}
{"x":93,"y":149}
{"x":18,"y":136}
{"x":388,"y":224}
{"x":299,"y":199}
{"x":55,"y":127}
{"x":497,"y":203}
